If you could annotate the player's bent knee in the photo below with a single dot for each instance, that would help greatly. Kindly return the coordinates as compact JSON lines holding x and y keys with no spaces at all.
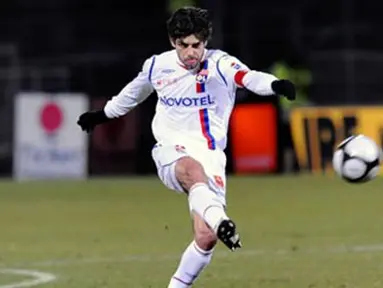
{"x":189,"y":171}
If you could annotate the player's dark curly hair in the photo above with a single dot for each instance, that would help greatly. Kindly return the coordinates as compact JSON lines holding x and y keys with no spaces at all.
{"x":190,"y":20}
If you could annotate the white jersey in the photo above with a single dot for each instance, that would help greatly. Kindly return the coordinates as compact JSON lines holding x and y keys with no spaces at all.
{"x":194,"y":106}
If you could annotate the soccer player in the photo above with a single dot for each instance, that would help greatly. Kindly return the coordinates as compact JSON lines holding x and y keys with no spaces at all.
{"x":196,"y":90}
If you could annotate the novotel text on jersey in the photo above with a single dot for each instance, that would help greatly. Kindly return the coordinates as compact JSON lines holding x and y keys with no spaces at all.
{"x":187,"y":101}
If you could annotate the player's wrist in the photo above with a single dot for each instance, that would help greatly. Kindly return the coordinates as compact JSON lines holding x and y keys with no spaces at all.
{"x":284,"y":87}
{"x":99,"y":117}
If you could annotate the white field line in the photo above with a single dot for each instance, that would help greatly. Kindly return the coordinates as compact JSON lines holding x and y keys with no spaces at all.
{"x":38,"y":278}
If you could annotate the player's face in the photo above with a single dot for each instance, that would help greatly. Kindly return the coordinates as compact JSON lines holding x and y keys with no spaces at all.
{"x":189,"y":50}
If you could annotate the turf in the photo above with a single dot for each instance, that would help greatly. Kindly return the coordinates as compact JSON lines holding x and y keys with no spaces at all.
{"x":297,"y":231}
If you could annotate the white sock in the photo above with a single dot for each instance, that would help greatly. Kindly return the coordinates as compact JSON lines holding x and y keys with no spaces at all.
{"x":193,"y":261}
{"x":206,"y":204}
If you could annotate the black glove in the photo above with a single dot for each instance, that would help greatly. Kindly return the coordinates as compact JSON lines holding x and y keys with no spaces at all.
{"x":89,"y":120}
{"x":285,"y":88}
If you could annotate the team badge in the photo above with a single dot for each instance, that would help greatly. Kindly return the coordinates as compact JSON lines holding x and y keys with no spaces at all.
{"x":202,"y":76}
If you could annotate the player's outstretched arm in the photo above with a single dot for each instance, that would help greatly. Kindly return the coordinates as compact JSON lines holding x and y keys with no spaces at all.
{"x":129,"y":97}
{"x":260,"y":83}
{"x":266,"y":84}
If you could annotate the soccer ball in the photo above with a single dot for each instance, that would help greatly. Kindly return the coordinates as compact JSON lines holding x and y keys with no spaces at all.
{"x":357,"y":159}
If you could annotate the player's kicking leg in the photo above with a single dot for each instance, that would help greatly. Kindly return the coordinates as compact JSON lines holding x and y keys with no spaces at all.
{"x":210,"y":223}
{"x":204,"y":202}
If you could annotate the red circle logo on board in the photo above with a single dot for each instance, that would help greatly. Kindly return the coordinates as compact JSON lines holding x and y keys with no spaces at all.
{"x":51,"y":117}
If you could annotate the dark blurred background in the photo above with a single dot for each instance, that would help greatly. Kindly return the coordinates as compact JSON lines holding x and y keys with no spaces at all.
{"x":331,"y":49}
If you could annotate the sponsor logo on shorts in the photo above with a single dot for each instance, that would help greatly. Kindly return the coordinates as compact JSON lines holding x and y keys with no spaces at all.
{"x":219,"y":181}
{"x":180,"y":148}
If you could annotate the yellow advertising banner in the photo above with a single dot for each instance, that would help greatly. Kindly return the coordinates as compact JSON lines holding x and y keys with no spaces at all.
{"x":316,"y":131}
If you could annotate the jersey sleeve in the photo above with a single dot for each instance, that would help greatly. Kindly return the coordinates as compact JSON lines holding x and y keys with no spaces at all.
{"x":133,"y":93}
{"x":230,"y":68}
{"x":240,"y":75}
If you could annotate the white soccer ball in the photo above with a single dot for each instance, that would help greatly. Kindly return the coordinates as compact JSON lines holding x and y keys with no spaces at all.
{"x":357,"y":159}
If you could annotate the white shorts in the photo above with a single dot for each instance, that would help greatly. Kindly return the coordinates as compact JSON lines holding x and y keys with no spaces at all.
{"x":212,"y":161}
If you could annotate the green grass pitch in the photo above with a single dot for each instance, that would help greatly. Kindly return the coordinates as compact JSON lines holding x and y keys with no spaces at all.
{"x":297,"y":231}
